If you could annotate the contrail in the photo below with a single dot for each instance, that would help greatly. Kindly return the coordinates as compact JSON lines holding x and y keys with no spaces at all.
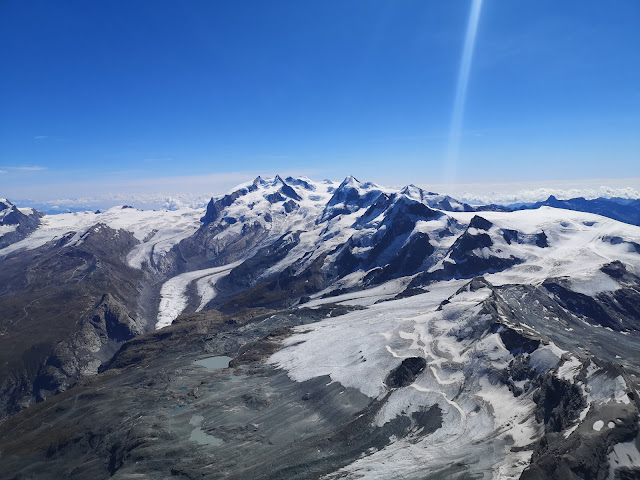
{"x":455,"y":130}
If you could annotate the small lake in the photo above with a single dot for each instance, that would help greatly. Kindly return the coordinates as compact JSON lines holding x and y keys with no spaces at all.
{"x":198,"y":435}
{"x":214,"y":363}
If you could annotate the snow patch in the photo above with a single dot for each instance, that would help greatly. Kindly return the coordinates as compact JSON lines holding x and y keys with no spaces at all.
{"x":624,"y":454}
{"x":569,"y":369}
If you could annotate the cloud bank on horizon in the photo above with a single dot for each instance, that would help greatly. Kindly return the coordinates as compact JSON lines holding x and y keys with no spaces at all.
{"x":540,"y":194}
{"x":179,"y":193}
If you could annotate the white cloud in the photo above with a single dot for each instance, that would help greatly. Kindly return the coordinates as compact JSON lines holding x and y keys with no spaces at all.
{"x":30,"y":168}
{"x":540,"y":194}
{"x":144,"y":201}
{"x":3,"y":171}
{"x":22,"y":168}
{"x":529,"y":192}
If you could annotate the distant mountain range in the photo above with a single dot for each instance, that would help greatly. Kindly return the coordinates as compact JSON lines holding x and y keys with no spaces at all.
{"x":622,"y":209}
{"x":296,"y":329}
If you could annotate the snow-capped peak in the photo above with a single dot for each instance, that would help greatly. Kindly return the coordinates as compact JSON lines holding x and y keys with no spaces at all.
{"x":303,"y":182}
{"x":4,"y":204}
{"x":413,"y":192}
{"x":350,"y":181}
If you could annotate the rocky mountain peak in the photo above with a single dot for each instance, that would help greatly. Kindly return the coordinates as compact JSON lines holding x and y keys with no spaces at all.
{"x":4,"y":204}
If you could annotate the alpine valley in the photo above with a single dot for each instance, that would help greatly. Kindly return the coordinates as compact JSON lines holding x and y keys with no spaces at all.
{"x":300,"y":330}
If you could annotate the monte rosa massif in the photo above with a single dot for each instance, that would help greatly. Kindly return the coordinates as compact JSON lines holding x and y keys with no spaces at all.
{"x":299,"y":330}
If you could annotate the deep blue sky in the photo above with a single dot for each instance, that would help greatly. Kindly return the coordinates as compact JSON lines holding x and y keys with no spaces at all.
{"x":127,"y":90}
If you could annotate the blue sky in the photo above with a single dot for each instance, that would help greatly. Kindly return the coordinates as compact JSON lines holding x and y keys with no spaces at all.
{"x":111,"y":96}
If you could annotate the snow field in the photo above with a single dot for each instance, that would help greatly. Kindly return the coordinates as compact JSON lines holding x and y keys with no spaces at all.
{"x":157,"y":230}
{"x":359,"y":350}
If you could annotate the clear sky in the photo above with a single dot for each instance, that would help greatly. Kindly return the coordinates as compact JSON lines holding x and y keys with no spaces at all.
{"x":114,"y":95}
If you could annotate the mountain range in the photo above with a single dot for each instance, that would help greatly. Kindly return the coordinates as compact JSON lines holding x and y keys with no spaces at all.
{"x":622,"y":209}
{"x":301,"y":329}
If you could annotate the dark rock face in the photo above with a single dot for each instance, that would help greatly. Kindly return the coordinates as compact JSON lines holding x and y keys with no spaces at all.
{"x":407,"y":261}
{"x":288,"y":191}
{"x":245,"y":274}
{"x":274,"y":197}
{"x":513,"y":236}
{"x":614,"y":240}
{"x":516,"y":342}
{"x":510,"y":235}
{"x":580,"y":304}
{"x":290,"y":206}
{"x":112,"y":318}
{"x":480,"y":223}
{"x":559,"y":403}
{"x":616,"y":310}
{"x":407,"y":207}
{"x":406,"y":373}
{"x":346,"y":262}
{"x":66,"y":327}
{"x":519,"y":370}
{"x":541,"y":240}
{"x":287,"y":288}
{"x":468,"y":264}
{"x":585,"y":453}
{"x":466,"y":258}
{"x":24,"y":224}
{"x":216,"y":207}
{"x":614,"y":269}
{"x":467,"y":243}
{"x":390,"y":235}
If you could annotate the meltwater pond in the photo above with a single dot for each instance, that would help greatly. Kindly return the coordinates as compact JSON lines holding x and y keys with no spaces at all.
{"x":199,"y":436}
{"x":214,"y":363}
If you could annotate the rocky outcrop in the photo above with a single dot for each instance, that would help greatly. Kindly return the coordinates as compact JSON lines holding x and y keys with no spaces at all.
{"x":405,"y":373}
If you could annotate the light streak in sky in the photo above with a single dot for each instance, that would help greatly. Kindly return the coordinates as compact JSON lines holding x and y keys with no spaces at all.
{"x":455,"y":131}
